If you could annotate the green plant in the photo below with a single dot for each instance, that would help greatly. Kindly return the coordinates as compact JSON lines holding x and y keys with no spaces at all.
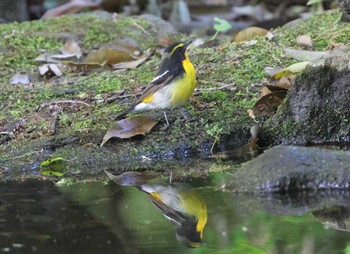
{"x":222,"y":26}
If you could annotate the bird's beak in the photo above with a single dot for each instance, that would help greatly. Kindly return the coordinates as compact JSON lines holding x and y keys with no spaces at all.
{"x":188,"y":43}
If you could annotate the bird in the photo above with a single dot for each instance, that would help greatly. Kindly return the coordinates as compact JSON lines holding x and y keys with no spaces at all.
{"x":173,"y":85}
{"x":183,"y":206}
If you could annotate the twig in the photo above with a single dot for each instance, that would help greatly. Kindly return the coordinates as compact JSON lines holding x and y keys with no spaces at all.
{"x":221,"y":85}
{"x":61,"y":102}
{"x":140,"y":27}
{"x":115,"y":97}
{"x":54,"y":122}
{"x":217,"y":88}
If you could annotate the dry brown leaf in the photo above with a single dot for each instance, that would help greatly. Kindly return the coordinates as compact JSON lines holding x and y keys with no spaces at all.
{"x":81,"y":67}
{"x":286,"y":82}
{"x":251,"y":114}
{"x":250,"y":33}
{"x":273,"y":88}
{"x":129,"y":127}
{"x":110,"y":56}
{"x":264,"y":91}
{"x":135,"y":63}
{"x":71,"y":48}
{"x":268,"y":104}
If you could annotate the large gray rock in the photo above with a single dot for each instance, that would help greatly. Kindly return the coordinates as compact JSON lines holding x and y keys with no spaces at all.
{"x":291,"y":168}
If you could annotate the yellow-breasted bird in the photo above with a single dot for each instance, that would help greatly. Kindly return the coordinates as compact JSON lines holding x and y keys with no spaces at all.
{"x":184,"y":207}
{"x":173,"y":85}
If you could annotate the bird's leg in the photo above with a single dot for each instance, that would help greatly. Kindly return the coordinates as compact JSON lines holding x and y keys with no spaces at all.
{"x":166,"y":118}
{"x":184,"y":114}
{"x":171,"y":176}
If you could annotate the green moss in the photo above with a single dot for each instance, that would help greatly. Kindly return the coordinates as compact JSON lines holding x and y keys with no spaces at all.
{"x":232,"y":72}
{"x":322,"y":28}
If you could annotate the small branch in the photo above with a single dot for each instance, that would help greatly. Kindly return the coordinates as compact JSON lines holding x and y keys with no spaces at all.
{"x":222,"y":87}
{"x":140,"y":27}
{"x":55,"y":120}
{"x":62,"y":102}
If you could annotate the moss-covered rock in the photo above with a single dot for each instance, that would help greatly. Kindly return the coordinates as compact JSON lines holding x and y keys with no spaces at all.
{"x":317,"y":108}
{"x":292,"y":169}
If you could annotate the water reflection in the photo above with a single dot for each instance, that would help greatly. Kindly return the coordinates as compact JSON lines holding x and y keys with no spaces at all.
{"x":94,"y":217}
{"x":178,"y":202}
{"x":337,"y":217}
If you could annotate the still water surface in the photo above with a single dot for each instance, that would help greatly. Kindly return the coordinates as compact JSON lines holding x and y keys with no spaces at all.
{"x":93,"y":217}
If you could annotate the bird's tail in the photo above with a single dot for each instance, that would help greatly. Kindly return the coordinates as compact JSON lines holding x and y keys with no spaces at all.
{"x":125,"y":112}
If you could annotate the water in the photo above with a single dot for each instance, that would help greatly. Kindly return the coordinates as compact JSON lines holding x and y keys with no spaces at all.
{"x":95,"y":217}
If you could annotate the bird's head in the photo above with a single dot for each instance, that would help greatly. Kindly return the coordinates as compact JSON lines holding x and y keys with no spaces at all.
{"x":176,"y":51}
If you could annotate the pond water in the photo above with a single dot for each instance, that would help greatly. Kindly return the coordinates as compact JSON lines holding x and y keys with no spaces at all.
{"x":95,"y":217}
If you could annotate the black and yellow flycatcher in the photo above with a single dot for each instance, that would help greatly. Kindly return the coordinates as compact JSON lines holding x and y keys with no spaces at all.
{"x":184,"y":207}
{"x":173,"y":85}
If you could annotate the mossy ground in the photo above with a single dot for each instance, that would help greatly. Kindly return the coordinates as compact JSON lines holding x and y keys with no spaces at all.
{"x":229,"y":80}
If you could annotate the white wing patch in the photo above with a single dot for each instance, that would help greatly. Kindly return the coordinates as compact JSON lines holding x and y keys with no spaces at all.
{"x":160,"y":76}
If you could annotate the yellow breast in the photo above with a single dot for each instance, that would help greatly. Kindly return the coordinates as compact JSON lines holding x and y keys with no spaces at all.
{"x":185,"y":85}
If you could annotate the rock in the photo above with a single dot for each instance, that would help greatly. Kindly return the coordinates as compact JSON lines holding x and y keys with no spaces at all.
{"x":345,"y":7}
{"x":317,"y":108}
{"x":291,"y":168}
{"x":17,"y":11}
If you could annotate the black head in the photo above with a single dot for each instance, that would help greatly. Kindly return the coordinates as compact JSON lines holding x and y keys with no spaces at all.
{"x":176,"y":50}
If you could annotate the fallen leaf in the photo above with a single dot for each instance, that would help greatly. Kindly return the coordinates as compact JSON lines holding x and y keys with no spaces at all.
{"x":85,"y":67}
{"x":304,"y":55}
{"x":47,"y":58}
{"x":71,"y":48}
{"x":135,"y":63}
{"x":251,"y":114}
{"x":47,"y":69}
{"x":273,"y":88}
{"x":43,"y":69}
{"x":250,"y":33}
{"x":268,"y":104}
{"x":272,"y":70}
{"x":286,"y":82}
{"x":297,"y":67}
{"x":305,"y":41}
{"x":280,"y":74}
{"x":292,"y":69}
{"x":20,"y":79}
{"x":129,"y":127}
{"x":55,"y":70}
{"x":110,"y":56}
{"x":264,"y":91}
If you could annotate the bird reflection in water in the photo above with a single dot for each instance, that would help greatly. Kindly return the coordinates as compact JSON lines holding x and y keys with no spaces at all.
{"x":178,"y":202}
